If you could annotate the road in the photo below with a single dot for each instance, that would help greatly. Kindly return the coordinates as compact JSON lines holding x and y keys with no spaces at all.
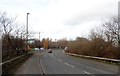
{"x":60,"y":63}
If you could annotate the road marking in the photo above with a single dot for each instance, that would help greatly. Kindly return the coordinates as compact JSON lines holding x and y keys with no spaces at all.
{"x":64,"y":62}
{"x":86,"y":72}
{"x":60,"y":60}
{"x":69,"y":64}
{"x":63,"y":51}
{"x":43,"y":70}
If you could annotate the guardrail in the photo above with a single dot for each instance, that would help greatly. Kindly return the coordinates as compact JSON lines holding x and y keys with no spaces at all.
{"x":14,"y":59}
{"x":13,"y":63}
{"x":98,"y":58}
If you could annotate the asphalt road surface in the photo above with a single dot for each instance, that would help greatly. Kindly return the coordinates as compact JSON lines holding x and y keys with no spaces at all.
{"x":60,"y":63}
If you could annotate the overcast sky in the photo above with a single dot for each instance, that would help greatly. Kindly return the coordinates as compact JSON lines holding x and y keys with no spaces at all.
{"x":60,"y":18}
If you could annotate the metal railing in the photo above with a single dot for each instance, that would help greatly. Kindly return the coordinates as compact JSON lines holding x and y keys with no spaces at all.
{"x":13,"y":59}
{"x":98,"y":58}
{"x":13,"y":63}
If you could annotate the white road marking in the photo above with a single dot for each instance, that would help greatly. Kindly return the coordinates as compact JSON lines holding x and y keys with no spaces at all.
{"x":42,"y":67}
{"x":64,"y":62}
{"x":60,"y":60}
{"x":86,"y":72}
{"x":72,"y":65}
{"x":69,"y":64}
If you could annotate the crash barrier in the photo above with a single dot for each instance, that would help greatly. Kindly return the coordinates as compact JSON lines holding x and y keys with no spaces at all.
{"x":114,"y":61}
{"x":12,"y":63}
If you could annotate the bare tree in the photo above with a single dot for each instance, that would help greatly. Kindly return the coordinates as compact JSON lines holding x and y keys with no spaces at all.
{"x":62,"y":43}
{"x":103,"y":42}
{"x":6,"y":23}
{"x":111,"y":30}
{"x":13,"y":38}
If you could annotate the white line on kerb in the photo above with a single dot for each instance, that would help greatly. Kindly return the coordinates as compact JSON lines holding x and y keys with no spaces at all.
{"x":86,"y":72}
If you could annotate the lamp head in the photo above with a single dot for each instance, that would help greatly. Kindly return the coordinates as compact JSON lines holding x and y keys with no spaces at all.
{"x":28,"y":13}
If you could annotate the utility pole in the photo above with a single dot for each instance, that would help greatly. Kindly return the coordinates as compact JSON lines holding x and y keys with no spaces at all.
{"x":39,"y":34}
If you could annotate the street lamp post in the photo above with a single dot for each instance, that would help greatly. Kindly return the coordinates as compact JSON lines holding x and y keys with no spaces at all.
{"x":27,"y":29}
{"x":27,"y":25}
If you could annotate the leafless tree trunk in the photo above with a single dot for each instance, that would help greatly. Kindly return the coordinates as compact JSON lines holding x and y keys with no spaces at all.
{"x":111,"y":31}
{"x":13,"y":38}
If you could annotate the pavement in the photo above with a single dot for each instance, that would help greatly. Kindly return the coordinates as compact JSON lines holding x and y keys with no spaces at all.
{"x":60,"y":63}
{"x":30,"y":66}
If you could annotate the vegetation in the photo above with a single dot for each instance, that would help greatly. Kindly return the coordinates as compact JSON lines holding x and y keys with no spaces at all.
{"x":13,"y":41}
{"x":13,"y":38}
{"x":101,"y":43}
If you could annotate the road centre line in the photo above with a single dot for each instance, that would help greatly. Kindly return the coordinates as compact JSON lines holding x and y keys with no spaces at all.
{"x":71,"y":65}
{"x":60,"y":60}
{"x":86,"y":72}
{"x":64,"y":62}
{"x":68,"y":64}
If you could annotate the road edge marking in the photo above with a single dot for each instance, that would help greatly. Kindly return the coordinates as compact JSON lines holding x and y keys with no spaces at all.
{"x":43,"y":70}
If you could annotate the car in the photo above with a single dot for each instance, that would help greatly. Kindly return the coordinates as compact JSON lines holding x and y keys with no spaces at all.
{"x":42,"y":49}
{"x":50,"y":51}
{"x":36,"y":49}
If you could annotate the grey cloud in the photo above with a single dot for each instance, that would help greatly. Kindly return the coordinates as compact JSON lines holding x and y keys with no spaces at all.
{"x":96,"y":13}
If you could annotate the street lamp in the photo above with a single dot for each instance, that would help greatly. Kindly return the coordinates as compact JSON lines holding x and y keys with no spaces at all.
{"x":27,"y":29}
{"x":27,"y":26}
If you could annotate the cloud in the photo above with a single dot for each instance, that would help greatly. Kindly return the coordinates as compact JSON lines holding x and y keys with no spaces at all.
{"x":60,"y":18}
{"x":95,"y":11}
